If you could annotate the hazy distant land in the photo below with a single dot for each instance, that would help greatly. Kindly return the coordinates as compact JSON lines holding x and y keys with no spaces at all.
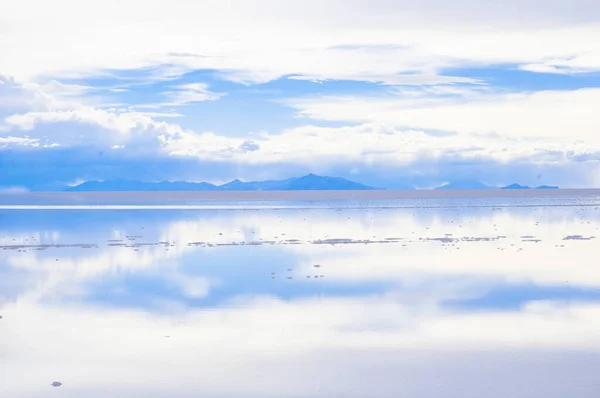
{"x":473,"y":184}
{"x":310,"y":182}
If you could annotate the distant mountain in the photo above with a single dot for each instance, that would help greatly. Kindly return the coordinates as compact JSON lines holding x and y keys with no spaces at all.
{"x":516,"y":186}
{"x":315,"y":182}
{"x":464,"y":184}
{"x":474,"y":184}
{"x":308,"y":182}
{"x":131,"y":185}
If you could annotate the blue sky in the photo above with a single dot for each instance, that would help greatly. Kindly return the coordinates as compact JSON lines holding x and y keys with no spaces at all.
{"x":389,"y":93}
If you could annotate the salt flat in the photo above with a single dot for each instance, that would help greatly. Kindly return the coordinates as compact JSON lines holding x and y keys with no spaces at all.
{"x":434,"y":296}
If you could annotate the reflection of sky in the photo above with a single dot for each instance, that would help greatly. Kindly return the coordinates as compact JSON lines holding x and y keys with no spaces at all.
{"x":474,"y":285}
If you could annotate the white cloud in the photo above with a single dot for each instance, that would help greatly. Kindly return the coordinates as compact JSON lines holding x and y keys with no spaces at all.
{"x":88,"y":126}
{"x":192,"y":92}
{"x":561,"y":115}
{"x":373,"y":144}
{"x":358,"y":40}
{"x":185,"y":94}
{"x":32,"y":111}
{"x":19,"y":96}
{"x":9,"y":141}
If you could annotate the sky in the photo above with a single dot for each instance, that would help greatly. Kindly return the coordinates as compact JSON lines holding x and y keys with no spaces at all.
{"x":390,"y":93}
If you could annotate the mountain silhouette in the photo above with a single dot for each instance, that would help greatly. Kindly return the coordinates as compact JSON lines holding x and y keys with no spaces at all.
{"x":516,"y":186}
{"x":308,"y":182}
{"x":474,"y":184}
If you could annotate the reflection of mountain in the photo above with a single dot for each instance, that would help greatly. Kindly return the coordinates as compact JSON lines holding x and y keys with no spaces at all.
{"x":547,"y":187}
{"x":307,"y":182}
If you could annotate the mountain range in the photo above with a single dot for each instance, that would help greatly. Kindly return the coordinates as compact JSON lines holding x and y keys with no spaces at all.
{"x":308,"y":182}
{"x":473,"y":184}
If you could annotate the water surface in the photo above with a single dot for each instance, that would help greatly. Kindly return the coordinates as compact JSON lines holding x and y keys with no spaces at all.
{"x":417,"y":297}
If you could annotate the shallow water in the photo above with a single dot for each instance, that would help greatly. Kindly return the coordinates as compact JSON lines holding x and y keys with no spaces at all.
{"x":429,"y":297}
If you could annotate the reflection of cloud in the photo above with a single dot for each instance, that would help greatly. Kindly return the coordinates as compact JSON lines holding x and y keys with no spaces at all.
{"x":193,"y":287}
{"x":340,"y":344}
{"x":428,"y":273}
{"x":402,"y":337}
{"x":428,"y":249}
{"x":507,"y":256}
{"x":62,"y":270}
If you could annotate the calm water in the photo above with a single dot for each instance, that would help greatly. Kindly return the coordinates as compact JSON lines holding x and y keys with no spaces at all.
{"x":490,"y":297}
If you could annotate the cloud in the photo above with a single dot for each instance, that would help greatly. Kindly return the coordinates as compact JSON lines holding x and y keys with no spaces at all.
{"x":8,"y":142}
{"x":90,"y":127}
{"x":25,"y":96}
{"x":392,"y":42}
{"x":104,"y":144}
{"x":186,"y":94}
{"x":560,"y":115}
{"x":378,"y":145}
{"x":56,"y":114}
{"x":192,"y":92}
